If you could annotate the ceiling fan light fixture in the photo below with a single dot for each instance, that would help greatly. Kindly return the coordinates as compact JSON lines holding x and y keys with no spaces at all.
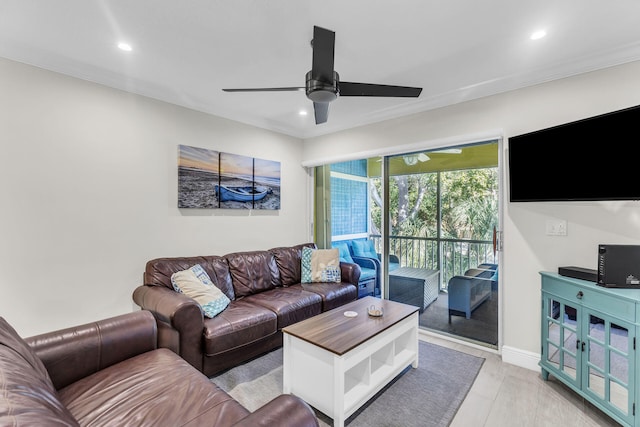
{"x":537,"y":35}
{"x":410,"y":159}
{"x":319,"y":91}
{"x":125,"y":46}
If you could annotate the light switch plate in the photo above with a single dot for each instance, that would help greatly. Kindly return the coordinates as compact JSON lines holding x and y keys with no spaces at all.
{"x":556,"y":227}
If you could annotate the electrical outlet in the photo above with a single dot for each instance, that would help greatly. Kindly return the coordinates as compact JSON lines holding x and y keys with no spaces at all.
{"x":556,"y":227}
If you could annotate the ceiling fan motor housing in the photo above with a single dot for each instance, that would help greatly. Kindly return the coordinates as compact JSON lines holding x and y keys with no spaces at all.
{"x":322,"y":91}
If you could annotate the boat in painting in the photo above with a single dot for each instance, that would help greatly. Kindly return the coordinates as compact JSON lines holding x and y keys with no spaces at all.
{"x":227,"y":193}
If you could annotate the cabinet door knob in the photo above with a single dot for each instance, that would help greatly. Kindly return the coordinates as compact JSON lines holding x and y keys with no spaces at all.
{"x":580,"y":295}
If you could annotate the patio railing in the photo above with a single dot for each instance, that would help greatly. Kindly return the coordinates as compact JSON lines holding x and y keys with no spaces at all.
{"x":450,"y":256}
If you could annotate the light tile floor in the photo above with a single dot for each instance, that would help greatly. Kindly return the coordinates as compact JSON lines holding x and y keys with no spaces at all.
{"x":508,"y":395}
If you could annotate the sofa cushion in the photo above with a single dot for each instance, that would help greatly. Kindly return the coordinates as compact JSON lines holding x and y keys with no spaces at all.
{"x":156,"y":388}
{"x":288,"y":260}
{"x":253,"y":272}
{"x":27,"y":395}
{"x":241,"y":324}
{"x":333,"y":294}
{"x":291,"y":304}
{"x":195,"y":283}
{"x":320,"y":265}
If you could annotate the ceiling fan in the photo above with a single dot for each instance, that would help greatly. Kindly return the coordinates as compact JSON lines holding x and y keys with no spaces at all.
{"x":323,"y":84}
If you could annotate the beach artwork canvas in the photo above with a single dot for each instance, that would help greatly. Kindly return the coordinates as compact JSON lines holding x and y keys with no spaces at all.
{"x":213,"y":179}
{"x":266,"y":175}
{"x":198,"y":170}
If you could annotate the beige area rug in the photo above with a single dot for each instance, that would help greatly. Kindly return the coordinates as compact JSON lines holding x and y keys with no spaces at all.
{"x":428,"y":396}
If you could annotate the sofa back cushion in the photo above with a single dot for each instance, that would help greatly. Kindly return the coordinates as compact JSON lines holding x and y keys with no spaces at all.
{"x":27,"y":395}
{"x":158,"y":271}
{"x":253,"y":272}
{"x":288,"y":259}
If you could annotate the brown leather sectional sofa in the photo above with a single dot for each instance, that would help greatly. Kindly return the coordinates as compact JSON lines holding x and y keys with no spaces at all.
{"x":266,"y":295}
{"x":111,"y":373}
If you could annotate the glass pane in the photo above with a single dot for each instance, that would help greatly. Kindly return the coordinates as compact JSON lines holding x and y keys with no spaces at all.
{"x":569,"y":367}
{"x":432,"y":218}
{"x":619,"y":355}
{"x":596,"y":355}
{"x":553,"y":355}
{"x":596,"y":382}
{"x":554,"y":328}
{"x":570,"y":314}
{"x":619,"y":397}
{"x":554,"y":309}
{"x":619,"y":338}
{"x":619,"y":366}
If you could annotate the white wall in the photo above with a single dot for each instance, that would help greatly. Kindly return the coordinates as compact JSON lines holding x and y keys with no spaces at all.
{"x":88,"y":190}
{"x":527,"y":249}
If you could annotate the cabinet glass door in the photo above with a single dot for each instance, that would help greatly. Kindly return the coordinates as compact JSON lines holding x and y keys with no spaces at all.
{"x":562,"y":339}
{"x":608,"y":362}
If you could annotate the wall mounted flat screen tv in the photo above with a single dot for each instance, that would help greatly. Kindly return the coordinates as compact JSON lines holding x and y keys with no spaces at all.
{"x":586,"y":160}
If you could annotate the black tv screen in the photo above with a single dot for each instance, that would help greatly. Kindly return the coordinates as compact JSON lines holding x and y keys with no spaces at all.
{"x":586,"y":160}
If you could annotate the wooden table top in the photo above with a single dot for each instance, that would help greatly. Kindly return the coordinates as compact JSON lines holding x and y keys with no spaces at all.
{"x":337,"y":333}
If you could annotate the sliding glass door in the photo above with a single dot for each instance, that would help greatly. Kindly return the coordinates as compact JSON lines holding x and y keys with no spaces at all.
{"x":430,"y":215}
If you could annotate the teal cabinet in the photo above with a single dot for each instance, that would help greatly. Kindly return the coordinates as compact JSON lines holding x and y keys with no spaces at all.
{"x":589,"y":342}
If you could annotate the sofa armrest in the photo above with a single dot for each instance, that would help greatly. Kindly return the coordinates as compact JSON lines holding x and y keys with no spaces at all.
{"x":283,"y":411}
{"x":180,"y":321}
{"x":76,"y":352}
{"x":350,"y":273}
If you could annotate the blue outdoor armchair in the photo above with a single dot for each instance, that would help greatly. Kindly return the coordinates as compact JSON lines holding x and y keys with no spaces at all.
{"x":363,"y":253}
{"x":368,"y":270}
{"x":366,"y":249}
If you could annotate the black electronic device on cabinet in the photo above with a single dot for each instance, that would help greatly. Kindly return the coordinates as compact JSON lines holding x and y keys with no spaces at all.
{"x":579,"y":273}
{"x":619,"y":266}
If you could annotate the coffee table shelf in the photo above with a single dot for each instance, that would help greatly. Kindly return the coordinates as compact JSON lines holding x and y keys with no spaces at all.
{"x":338,"y":382}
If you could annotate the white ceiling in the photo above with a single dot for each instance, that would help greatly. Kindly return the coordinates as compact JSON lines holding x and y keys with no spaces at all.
{"x":186,"y":52}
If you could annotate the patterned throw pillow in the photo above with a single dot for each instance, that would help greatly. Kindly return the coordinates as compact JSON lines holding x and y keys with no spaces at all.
{"x":196,"y":283}
{"x":320,"y":265}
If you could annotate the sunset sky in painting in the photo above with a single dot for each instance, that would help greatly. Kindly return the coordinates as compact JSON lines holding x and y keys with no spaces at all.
{"x":230,"y":164}
{"x":267,"y":168}
{"x":198,"y":158}
{"x":235,"y":164}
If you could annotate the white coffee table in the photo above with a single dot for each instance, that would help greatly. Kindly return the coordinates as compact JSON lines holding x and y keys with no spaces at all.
{"x":337,"y":363}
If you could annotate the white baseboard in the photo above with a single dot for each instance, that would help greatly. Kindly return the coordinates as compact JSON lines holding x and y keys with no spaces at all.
{"x":518,"y":357}
{"x":511,"y":355}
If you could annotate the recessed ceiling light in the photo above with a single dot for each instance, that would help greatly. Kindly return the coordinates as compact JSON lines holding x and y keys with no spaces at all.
{"x":302,"y":112}
{"x":536,"y":35}
{"x":125,"y":46}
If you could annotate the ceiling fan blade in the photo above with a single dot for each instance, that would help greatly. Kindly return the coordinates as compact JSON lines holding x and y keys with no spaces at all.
{"x":367,"y":89}
{"x":321,"y":110}
{"x":265,"y":89}
{"x":323,"y":52}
